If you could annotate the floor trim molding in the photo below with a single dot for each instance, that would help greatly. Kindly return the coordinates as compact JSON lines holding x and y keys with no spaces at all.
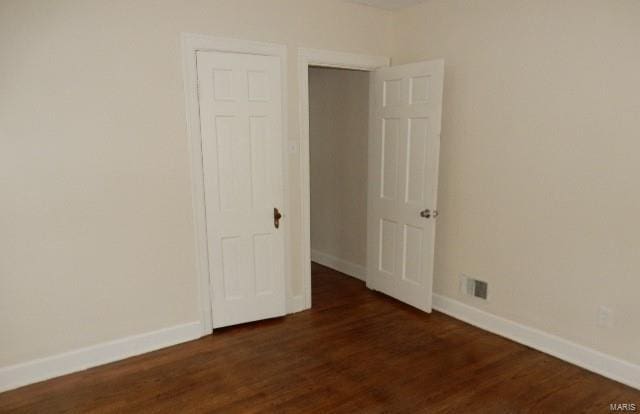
{"x":343,"y":266}
{"x":37,"y":370}
{"x":582,"y":356}
{"x":19,"y":375}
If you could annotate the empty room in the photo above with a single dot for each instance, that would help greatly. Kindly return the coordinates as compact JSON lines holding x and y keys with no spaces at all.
{"x":310,"y":206}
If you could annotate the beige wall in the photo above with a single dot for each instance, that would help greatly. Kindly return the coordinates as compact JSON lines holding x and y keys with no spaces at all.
{"x":96,"y":226}
{"x":338,"y":134}
{"x":540,"y":158}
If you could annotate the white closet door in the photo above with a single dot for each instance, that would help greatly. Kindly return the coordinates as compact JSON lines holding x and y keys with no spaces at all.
{"x":404,"y":140}
{"x":241,"y":124}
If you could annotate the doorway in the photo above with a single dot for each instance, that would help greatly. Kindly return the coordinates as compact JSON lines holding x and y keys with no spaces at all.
{"x":405,"y":111}
{"x":355,"y":65}
{"x":236,"y":106}
{"x":338,"y":135}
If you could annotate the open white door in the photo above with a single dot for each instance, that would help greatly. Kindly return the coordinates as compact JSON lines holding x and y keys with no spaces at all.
{"x":404,"y":142}
{"x":241,"y":126}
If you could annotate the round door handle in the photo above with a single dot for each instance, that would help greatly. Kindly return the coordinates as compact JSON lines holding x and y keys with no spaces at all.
{"x":429,"y":214}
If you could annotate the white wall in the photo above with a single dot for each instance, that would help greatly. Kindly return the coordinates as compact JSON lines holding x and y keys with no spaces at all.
{"x":96,"y":226}
{"x":338,"y":135}
{"x":540,"y":159}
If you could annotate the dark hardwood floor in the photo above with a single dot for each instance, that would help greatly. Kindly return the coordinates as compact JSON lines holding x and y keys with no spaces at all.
{"x":356,"y":351}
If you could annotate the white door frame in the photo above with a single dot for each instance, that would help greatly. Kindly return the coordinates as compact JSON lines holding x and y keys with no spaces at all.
{"x":191,"y":44}
{"x":331,"y":59}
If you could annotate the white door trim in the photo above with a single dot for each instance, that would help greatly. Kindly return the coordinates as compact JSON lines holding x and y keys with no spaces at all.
{"x":191,"y":44}
{"x":332,"y":59}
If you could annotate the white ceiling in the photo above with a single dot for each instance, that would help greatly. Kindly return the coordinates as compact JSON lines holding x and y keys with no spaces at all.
{"x":388,"y":4}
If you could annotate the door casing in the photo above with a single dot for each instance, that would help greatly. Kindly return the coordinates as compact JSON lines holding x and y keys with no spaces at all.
{"x":191,"y":44}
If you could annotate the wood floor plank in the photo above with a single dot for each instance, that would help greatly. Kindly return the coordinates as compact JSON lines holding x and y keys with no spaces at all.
{"x":355,"y":351}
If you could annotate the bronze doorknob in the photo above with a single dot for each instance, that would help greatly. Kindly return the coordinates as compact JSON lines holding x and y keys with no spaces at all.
{"x":276,"y":217}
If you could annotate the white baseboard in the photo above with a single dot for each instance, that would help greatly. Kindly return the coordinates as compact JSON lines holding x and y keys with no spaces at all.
{"x":41,"y":369}
{"x":343,"y":266}
{"x":15,"y":376}
{"x":587,"y":358}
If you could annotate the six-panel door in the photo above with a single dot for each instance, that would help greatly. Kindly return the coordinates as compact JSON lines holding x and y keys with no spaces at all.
{"x":404,"y":138}
{"x":241,"y":127}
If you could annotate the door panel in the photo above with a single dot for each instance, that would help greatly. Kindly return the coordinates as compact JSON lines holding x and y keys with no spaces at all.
{"x":389,"y":157}
{"x":241,"y":125}
{"x":404,"y":140}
